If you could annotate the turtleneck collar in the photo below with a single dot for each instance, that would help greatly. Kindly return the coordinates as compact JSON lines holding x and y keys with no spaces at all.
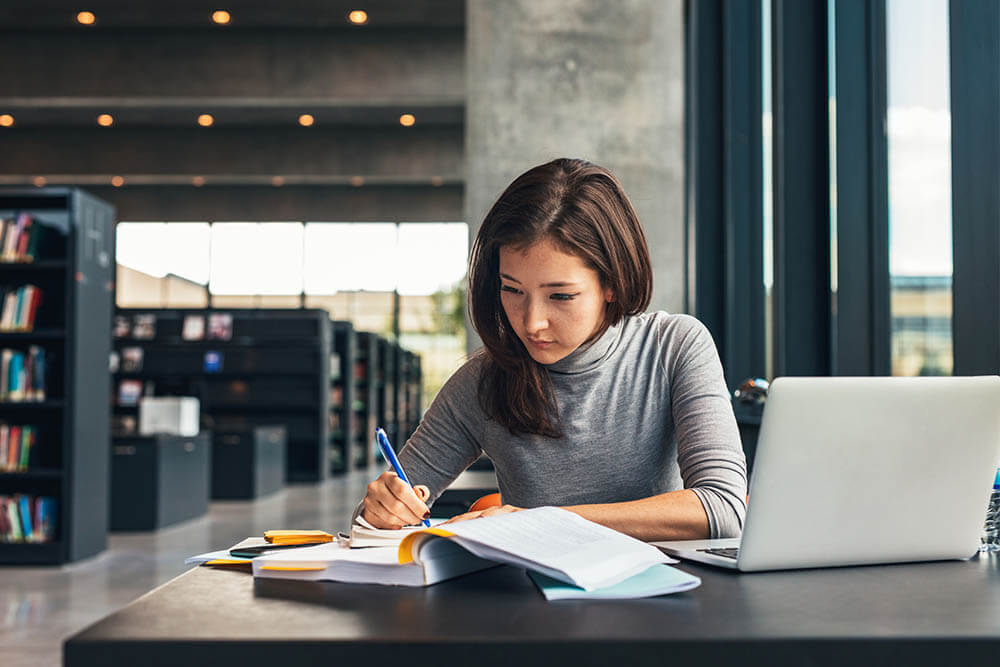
{"x":589,"y":355}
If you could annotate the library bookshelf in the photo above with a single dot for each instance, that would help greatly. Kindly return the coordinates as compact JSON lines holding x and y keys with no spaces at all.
{"x":248,"y":368}
{"x":410,"y":393}
{"x":374,"y":382}
{"x":59,"y":241}
{"x":366,"y":416}
{"x":343,"y":431}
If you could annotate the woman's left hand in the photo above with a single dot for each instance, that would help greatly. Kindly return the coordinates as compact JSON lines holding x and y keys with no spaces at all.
{"x":489,"y":511}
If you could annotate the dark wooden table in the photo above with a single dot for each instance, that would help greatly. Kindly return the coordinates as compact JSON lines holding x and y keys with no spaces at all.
{"x":919,"y":614}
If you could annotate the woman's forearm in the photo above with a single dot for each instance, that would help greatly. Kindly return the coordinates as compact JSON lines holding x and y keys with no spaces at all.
{"x":678,"y":515}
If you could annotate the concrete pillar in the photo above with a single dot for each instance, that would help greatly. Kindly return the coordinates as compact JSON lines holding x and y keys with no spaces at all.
{"x":599,"y":80}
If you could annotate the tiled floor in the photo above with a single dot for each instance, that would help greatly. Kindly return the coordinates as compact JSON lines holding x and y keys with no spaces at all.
{"x":41,"y":607}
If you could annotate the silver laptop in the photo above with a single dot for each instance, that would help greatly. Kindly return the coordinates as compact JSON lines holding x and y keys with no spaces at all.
{"x":855,"y":471}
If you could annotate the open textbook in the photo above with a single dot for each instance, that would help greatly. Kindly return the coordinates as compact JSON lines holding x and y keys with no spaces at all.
{"x":549,"y":540}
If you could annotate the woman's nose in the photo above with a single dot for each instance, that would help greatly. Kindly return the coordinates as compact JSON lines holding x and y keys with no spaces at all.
{"x":535,"y":316}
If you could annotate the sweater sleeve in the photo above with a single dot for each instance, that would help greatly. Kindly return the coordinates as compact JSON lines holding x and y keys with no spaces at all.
{"x":709,"y":450}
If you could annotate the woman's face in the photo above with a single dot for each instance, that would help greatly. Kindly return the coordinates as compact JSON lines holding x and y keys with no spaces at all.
{"x":553,"y":300}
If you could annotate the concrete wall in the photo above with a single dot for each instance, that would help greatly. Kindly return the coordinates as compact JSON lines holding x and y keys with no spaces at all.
{"x":592,"y":79}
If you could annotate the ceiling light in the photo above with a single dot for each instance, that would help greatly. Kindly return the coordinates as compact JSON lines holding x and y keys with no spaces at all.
{"x":117,"y":181}
{"x":198,"y":181}
{"x":86,"y":18}
{"x":6,"y":120}
{"x":407,"y":120}
{"x":358,"y":17}
{"x":357,"y":181}
{"x":437,"y":181}
{"x":105,"y":120}
{"x":40,"y":181}
{"x":205,"y":120}
{"x":305,"y":120}
{"x":278,"y":181}
{"x":221,"y":17}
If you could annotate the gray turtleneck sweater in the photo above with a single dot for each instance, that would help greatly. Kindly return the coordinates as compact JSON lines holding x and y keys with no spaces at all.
{"x":644,"y":410}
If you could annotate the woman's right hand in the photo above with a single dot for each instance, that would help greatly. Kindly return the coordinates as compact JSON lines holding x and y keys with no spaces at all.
{"x":392,"y":503}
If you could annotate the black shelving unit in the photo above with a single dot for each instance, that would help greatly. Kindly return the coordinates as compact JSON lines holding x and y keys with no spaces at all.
{"x":72,"y":266}
{"x":411,"y":393}
{"x":385,"y":393}
{"x":365,"y":399}
{"x":272,"y":369}
{"x":342,"y":394}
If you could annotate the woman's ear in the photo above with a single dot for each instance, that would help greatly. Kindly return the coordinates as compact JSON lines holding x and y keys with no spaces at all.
{"x":609,"y":294}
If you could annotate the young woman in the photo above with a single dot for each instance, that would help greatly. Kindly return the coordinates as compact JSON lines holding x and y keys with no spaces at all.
{"x":579,"y":398}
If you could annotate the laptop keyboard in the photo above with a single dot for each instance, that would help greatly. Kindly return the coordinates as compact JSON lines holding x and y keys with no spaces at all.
{"x":728,"y":552}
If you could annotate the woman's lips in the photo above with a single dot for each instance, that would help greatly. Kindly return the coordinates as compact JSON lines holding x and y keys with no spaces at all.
{"x":541,"y":344}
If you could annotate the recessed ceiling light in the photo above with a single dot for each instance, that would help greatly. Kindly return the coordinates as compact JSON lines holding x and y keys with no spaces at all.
{"x":40,"y":181}
{"x":117,"y":181}
{"x":205,"y":120}
{"x":6,"y":120}
{"x":105,"y":120}
{"x":86,"y":18}
{"x":358,"y":17}
{"x":278,"y":181}
{"x":407,"y":120}
{"x":305,"y":120}
{"x":221,"y":16}
{"x":437,"y":181}
{"x":198,"y":181}
{"x":357,"y":181}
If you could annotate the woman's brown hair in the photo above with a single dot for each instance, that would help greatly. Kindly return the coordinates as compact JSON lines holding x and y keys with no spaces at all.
{"x":583,"y":210}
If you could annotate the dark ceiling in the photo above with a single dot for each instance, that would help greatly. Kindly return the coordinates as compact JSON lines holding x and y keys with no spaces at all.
{"x":49,"y":14}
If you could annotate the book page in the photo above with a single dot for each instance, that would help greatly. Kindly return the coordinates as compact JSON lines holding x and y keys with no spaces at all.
{"x":558,"y":543}
{"x":363,"y":534}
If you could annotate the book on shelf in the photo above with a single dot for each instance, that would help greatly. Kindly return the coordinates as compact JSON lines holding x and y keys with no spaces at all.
{"x":212,"y":361}
{"x":124,"y":426}
{"x":129,"y":392}
{"x":20,"y":239}
{"x":27,"y":518}
{"x":16,"y":444}
{"x":193,"y":328}
{"x":549,"y":540}
{"x":122,"y":326}
{"x":22,"y":374}
{"x":19,"y":307}
{"x":220,"y":326}
{"x":131,"y":361}
{"x":144,"y":326}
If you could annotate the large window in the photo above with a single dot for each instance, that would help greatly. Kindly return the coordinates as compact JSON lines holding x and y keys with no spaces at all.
{"x":367,"y":273}
{"x":878,"y":166}
{"x":919,"y":142}
{"x":256,"y":258}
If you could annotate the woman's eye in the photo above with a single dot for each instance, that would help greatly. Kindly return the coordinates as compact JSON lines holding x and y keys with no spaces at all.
{"x":564,"y":297}
{"x":508,"y":288}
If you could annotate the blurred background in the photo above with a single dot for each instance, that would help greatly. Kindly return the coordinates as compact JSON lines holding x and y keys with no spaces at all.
{"x":268,"y":207}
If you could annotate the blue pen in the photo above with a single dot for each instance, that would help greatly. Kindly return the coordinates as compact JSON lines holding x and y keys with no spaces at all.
{"x":390,"y":456}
